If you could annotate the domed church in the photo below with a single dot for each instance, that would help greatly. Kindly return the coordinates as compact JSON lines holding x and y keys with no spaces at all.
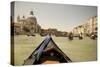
{"x":29,"y":25}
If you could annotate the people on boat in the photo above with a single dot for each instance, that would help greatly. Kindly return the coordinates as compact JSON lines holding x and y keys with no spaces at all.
{"x":93,"y":35}
{"x":70,"y":36}
{"x":80,"y":36}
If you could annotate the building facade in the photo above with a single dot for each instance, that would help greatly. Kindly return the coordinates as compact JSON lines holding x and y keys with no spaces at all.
{"x":86,"y":29}
{"x":92,"y":25}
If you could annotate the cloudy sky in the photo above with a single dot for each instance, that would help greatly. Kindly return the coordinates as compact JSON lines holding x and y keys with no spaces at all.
{"x":61,"y":16}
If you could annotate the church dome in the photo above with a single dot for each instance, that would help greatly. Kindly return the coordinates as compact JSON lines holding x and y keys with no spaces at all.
{"x":31,"y":20}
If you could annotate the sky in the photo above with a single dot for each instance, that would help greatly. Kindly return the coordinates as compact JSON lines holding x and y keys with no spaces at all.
{"x":63,"y":17}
